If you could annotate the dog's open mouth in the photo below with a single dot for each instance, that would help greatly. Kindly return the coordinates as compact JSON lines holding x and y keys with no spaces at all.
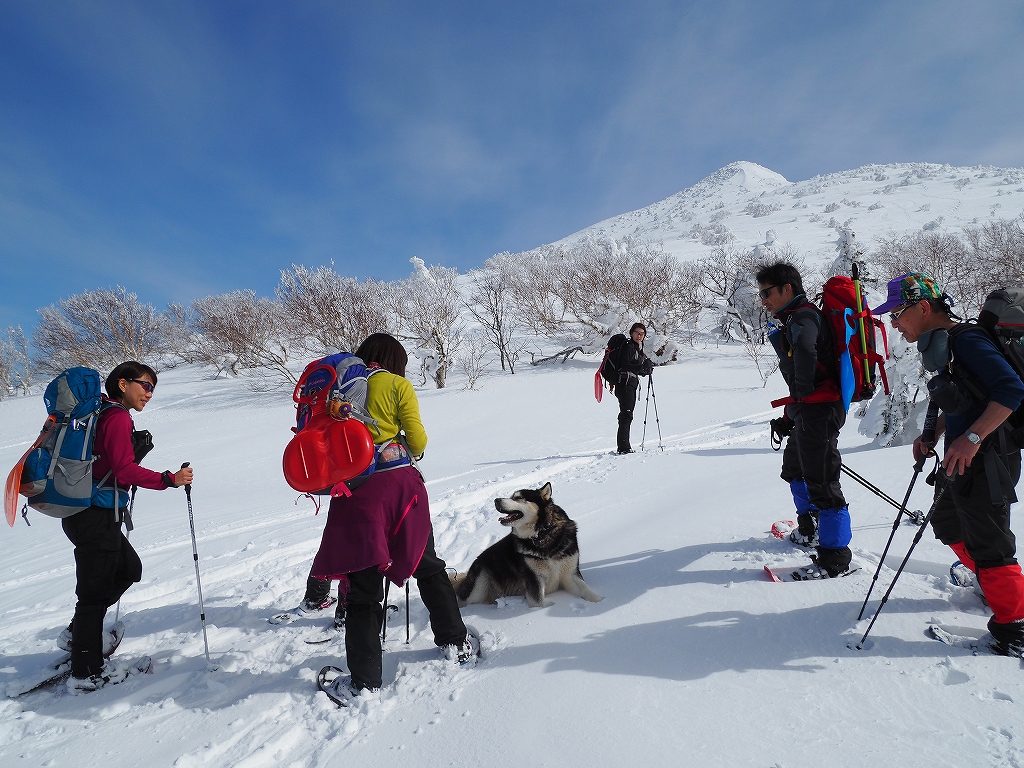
{"x":510,"y":518}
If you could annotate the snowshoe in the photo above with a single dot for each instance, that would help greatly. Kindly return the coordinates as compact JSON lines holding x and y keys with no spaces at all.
{"x":304,"y":610}
{"x":962,"y":576}
{"x":468,"y":652}
{"x":815,"y":572}
{"x":338,"y":686}
{"x":114,"y":672}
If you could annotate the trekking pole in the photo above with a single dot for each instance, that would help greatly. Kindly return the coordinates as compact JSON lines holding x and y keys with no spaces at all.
{"x":195,"y":558}
{"x":384,"y":618}
{"x":873,"y":488}
{"x":917,"y":538}
{"x":407,"y":612}
{"x":654,"y":397}
{"x":895,"y":525}
{"x":647,"y":405}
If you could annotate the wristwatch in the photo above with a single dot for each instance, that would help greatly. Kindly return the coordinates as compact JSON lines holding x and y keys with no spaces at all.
{"x":974,"y":437}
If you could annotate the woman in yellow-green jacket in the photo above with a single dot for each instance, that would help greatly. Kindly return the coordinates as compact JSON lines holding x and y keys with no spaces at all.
{"x":383,"y":530}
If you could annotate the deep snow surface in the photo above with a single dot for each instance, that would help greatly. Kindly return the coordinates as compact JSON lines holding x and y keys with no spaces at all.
{"x":693,"y":658}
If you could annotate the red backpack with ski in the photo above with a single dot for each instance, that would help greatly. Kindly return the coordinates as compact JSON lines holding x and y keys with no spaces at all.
{"x":853,"y":329}
{"x":857,"y":360}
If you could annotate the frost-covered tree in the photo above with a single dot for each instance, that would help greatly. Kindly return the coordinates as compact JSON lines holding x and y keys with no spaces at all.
{"x":472,"y":358}
{"x":490,"y":303}
{"x":897,"y":418}
{"x":8,"y":362}
{"x":15,"y":364}
{"x":727,"y":277}
{"x":944,"y":256}
{"x":241,"y":331}
{"x":433,"y":315}
{"x":997,"y":249}
{"x":98,"y":329}
{"x":336,"y":312}
{"x":579,"y":296}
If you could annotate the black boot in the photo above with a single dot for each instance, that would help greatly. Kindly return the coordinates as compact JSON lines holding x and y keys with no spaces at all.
{"x":835,"y":561}
{"x":622,"y":436}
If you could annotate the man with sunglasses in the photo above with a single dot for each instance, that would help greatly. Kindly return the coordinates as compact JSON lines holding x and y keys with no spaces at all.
{"x":977,"y":390}
{"x":813,"y":416}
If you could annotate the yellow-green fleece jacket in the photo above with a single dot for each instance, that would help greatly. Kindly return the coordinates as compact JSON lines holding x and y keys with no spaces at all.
{"x":391,"y":400}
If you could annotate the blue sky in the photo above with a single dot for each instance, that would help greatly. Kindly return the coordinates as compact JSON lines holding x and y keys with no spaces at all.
{"x":187,"y":148}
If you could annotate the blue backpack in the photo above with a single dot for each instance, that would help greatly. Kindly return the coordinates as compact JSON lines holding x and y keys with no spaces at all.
{"x":346,"y":377}
{"x":57,"y":476}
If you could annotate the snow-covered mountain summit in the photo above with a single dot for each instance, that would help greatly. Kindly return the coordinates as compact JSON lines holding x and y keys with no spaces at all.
{"x":738,"y":204}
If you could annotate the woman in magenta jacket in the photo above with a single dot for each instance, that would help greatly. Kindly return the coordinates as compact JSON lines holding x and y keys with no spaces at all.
{"x":105,"y":563}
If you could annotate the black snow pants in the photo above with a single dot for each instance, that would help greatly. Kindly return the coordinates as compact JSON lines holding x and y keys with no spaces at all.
{"x":626,"y":393}
{"x":365,"y":615}
{"x":105,"y":565}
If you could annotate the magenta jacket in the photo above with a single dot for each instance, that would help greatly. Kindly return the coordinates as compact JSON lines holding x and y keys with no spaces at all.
{"x":113,"y":451}
{"x":384,"y":523}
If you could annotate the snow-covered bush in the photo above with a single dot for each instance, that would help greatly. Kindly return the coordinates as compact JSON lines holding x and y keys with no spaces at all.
{"x":240,"y":331}
{"x":336,"y":312}
{"x":898,"y":418}
{"x":432,"y":312}
{"x":99,"y":329}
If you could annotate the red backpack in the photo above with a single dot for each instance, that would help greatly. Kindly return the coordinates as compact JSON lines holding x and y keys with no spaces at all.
{"x":853,"y":330}
{"x":329,"y":448}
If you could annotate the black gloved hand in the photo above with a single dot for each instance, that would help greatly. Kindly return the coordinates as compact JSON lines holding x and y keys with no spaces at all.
{"x":781,"y":427}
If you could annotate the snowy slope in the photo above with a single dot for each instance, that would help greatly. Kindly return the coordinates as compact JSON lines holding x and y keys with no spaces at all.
{"x":692,"y":659}
{"x":739,"y":203}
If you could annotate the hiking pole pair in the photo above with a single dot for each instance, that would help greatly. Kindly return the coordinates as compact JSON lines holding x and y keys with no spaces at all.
{"x":895,"y":525}
{"x":917,"y":516}
{"x":946,"y":483}
{"x":195,"y":558}
{"x":651,"y":396}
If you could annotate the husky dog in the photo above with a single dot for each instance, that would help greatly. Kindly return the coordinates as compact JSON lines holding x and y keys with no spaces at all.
{"x":539,"y":556}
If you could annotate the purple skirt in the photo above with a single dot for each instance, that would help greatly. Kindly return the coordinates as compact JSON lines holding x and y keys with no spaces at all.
{"x":384,"y":523}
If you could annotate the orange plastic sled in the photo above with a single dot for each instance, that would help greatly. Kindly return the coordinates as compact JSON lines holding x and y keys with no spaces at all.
{"x":14,"y":478}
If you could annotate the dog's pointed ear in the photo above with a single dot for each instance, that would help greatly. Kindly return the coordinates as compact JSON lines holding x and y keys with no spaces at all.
{"x":545,"y":492}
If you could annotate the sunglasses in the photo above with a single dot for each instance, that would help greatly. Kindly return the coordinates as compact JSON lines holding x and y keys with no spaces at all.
{"x":766,"y":292}
{"x":895,"y":316}
{"x":145,"y":385}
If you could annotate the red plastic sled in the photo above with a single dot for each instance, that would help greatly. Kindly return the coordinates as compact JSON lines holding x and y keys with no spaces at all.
{"x":327,"y":452}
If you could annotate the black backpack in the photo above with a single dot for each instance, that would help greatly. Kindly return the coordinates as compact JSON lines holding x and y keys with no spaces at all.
{"x":609,"y":369}
{"x":1002,"y":320}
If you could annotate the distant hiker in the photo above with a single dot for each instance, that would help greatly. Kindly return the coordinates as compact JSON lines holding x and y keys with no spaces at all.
{"x":977,"y":391}
{"x":623,"y":367}
{"x":382,"y":530}
{"x":106,"y":564}
{"x":811,"y":461}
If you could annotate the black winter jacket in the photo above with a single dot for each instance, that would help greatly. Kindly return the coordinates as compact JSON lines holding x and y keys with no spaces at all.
{"x":630,"y":359}
{"x":805,"y":347}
